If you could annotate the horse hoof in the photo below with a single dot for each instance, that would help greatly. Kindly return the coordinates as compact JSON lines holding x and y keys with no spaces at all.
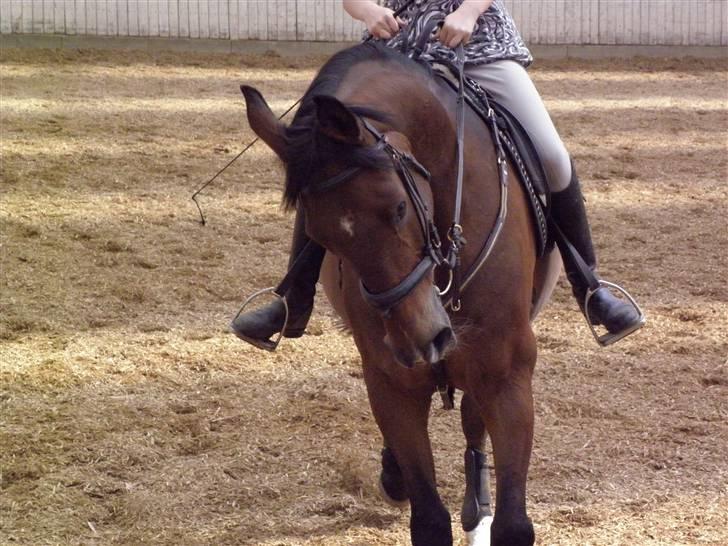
{"x":401,"y":504}
{"x":480,"y":536}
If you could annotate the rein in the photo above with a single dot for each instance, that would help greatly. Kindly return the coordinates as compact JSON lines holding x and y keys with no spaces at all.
{"x":501,"y":160}
{"x":455,"y":233}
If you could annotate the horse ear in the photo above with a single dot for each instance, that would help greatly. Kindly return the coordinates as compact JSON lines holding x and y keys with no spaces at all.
{"x":336,"y":121}
{"x":264,"y":122}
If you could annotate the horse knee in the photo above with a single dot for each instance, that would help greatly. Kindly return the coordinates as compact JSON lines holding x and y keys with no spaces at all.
{"x":431,"y":527}
{"x":515,"y":532}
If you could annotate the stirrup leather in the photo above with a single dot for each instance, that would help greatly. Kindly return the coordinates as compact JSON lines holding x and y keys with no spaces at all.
{"x":609,"y":338}
{"x":268,"y":344}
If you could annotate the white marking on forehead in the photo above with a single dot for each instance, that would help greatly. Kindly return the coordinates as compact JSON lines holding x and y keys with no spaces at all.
{"x":347,"y":224}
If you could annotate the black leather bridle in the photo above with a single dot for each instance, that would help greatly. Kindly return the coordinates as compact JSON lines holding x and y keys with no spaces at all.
{"x":432,"y":252}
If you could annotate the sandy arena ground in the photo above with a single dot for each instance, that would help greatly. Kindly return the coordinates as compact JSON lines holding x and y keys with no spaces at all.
{"x":130,"y":416}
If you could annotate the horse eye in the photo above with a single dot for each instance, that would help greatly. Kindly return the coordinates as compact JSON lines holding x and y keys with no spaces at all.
{"x":401,"y":211}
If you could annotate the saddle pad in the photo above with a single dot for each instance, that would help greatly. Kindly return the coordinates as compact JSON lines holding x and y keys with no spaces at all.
{"x":518,"y":146}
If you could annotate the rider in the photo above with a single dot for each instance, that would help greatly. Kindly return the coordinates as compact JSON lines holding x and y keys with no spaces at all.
{"x":495,"y":57}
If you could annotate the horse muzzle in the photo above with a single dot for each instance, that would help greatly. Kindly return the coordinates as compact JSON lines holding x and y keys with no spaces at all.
{"x":435,"y":350}
{"x":439,"y":346}
{"x":419,"y":330}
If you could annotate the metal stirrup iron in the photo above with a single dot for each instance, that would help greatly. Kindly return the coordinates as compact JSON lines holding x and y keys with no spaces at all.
{"x":593,"y":284}
{"x":609,"y":338}
{"x":277,"y":339}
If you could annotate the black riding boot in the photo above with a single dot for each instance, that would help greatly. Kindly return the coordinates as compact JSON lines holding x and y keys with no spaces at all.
{"x":618,"y":316}
{"x":257,"y":327}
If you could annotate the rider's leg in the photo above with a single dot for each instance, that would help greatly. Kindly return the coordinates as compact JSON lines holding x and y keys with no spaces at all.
{"x":567,"y":208}
{"x":510,"y":85}
{"x":257,"y":327}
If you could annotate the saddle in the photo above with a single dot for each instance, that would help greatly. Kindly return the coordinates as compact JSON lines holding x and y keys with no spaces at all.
{"x":517,"y":144}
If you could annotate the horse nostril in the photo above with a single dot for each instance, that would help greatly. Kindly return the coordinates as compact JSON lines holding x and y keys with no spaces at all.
{"x":443,"y":340}
{"x":439,"y":345}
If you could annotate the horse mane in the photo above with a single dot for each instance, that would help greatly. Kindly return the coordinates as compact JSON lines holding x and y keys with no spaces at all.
{"x":307,"y":149}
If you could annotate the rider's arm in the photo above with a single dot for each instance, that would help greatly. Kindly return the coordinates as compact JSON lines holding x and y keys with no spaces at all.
{"x":460,"y":23}
{"x":380,"y":21}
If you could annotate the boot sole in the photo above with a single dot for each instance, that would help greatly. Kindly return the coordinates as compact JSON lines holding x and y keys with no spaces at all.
{"x":608,"y":339}
{"x":266,"y":344}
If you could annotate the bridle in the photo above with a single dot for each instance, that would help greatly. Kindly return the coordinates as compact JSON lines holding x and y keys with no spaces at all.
{"x":432,"y":252}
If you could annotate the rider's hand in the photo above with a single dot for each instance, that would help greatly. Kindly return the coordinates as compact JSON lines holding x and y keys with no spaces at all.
{"x":458,"y":27}
{"x":381,"y":22}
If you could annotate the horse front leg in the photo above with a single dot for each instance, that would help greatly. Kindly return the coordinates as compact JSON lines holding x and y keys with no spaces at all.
{"x":504,"y":396}
{"x":476,"y":515}
{"x":402,"y":416}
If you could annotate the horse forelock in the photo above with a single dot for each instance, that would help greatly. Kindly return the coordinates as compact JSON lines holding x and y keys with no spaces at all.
{"x":307,"y":151}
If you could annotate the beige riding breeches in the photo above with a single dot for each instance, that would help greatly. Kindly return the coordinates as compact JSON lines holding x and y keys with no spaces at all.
{"x":509,"y":83}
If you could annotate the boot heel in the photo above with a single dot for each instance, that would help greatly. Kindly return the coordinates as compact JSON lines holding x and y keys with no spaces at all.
{"x":613,"y":337}
{"x":296,"y":327}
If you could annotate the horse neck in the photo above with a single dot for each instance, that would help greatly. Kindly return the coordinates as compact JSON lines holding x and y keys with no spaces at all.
{"x":414,"y":104}
{"x":420,"y":110}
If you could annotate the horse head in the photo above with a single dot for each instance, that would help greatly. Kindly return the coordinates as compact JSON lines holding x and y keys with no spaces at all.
{"x":345,"y":175}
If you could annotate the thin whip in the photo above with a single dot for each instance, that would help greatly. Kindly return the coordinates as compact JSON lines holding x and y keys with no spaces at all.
{"x":233,"y":160}
{"x":397,"y":13}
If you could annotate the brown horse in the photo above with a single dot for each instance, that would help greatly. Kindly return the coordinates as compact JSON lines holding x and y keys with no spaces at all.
{"x":364,"y":103}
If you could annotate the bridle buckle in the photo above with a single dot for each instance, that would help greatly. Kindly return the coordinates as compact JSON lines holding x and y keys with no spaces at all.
{"x":455,"y":233}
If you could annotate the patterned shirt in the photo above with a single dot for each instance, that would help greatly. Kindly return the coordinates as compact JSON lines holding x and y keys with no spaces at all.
{"x":495,"y":37}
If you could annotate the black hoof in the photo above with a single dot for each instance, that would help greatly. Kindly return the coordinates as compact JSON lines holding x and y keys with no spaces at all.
{"x":514,"y":533}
